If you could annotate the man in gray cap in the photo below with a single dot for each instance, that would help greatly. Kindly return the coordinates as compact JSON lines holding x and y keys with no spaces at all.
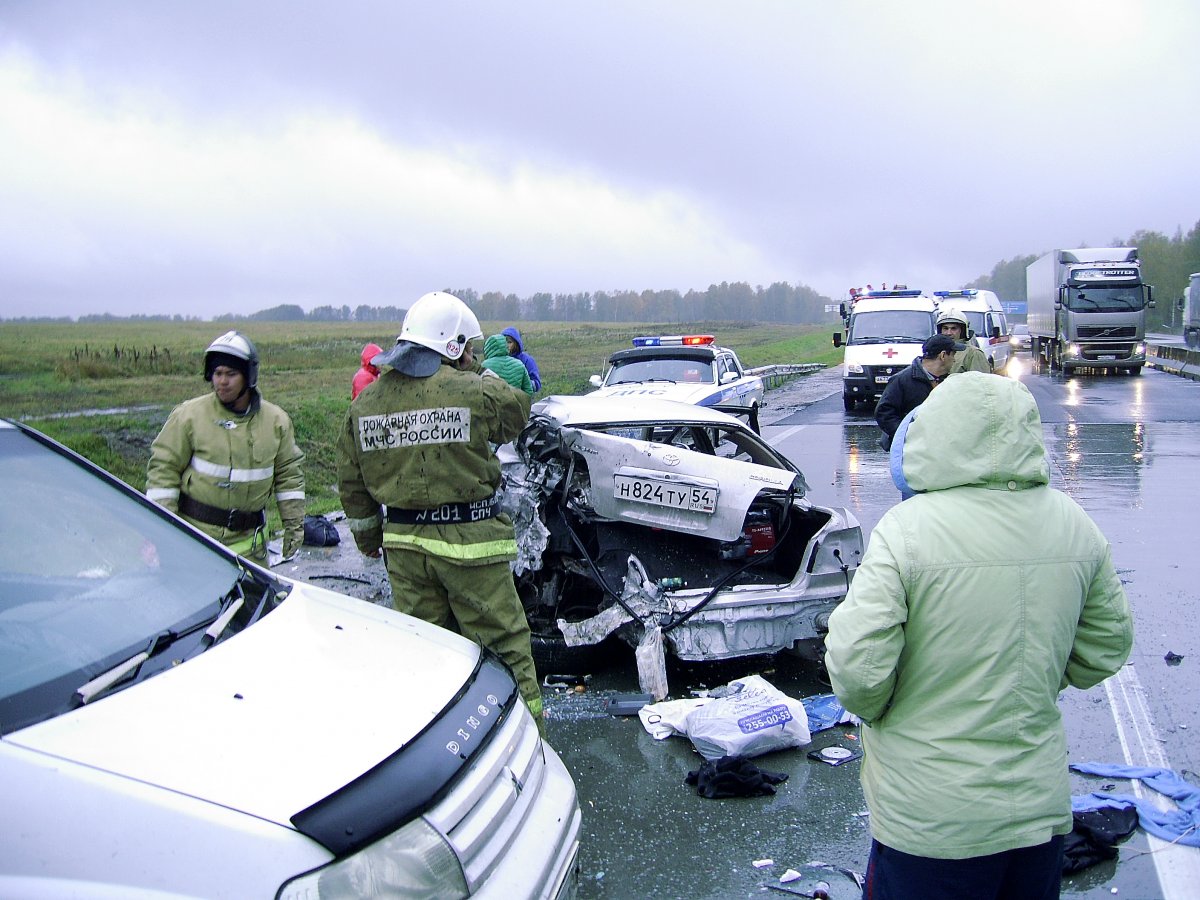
{"x":909,"y":387}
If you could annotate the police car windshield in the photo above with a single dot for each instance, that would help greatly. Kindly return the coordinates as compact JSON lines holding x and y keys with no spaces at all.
{"x":659,"y":369}
{"x":890,"y":326}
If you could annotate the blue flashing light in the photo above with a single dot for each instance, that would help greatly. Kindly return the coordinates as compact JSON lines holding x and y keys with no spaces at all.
{"x":969,"y":292}
{"x":674,"y":340}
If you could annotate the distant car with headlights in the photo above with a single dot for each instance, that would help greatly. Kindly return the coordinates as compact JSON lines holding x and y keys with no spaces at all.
{"x":177,"y":722}
{"x":1019,"y":340}
{"x":689,"y":368}
{"x":664,"y":513}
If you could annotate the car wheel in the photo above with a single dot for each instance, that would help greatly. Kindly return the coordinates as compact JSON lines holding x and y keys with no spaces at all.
{"x":848,"y":402}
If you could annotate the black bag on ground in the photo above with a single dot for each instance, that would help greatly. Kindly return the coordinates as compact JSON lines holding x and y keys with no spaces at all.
{"x":320,"y":532}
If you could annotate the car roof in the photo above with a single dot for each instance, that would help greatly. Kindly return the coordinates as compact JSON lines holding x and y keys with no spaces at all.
{"x":588,"y":409}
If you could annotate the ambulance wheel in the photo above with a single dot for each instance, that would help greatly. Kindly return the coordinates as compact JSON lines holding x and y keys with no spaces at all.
{"x":848,"y":402}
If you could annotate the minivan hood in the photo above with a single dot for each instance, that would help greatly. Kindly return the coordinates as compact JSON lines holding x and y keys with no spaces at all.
{"x":252,"y":724}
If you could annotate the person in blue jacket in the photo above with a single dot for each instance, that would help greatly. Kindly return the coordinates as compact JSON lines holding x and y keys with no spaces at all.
{"x":516,"y":349}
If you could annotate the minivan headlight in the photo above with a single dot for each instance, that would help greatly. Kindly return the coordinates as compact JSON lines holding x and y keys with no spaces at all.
{"x":413,"y":861}
{"x":852,"y":369}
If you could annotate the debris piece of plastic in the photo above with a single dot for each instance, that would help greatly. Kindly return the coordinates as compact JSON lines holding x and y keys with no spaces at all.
{"x":754,"y":717}
{"x":627,"y":704}
{"x":1173,"y":659}
{"x":762,"y":863}
{"x":824,"y":711}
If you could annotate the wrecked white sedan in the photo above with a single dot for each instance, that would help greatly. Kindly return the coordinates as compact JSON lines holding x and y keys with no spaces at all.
{"x":664,"y":518}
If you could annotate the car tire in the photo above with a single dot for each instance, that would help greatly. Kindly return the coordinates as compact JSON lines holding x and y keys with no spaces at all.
{"x":848,"y":402}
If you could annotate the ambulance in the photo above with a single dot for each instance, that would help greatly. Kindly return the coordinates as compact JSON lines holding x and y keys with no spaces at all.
{"x":884,"y":333}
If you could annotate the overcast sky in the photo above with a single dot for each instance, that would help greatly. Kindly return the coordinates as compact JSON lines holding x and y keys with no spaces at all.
{"x":206,"y":157}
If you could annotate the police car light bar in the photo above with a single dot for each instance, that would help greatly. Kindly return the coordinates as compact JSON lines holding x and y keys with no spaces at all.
{"x":874,"y":294}
{"x":670,"y":340}
{"x":970,"y":292}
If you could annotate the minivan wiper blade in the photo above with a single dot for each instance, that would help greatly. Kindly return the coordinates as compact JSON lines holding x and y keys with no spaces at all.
{"x":89,"y":691}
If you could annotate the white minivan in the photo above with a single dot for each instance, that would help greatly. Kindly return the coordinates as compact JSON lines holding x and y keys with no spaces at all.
{"x":176,"y":722}
{"x":884,"y":333}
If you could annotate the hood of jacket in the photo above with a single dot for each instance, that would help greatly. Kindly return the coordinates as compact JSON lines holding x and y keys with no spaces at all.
{"x":516,"y":336}
{"x":495,"y":346}
{"x":975,"y":429}
{"x":369,"y":352}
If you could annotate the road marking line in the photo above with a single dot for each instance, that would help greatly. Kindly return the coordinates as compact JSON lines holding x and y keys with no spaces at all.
{"x":1177,"y":866}
{"x":777,"y":438}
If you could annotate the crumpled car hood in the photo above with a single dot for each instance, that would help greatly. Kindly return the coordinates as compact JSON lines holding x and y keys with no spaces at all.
{"x":683,"y":392}
{"x":253,"y":726}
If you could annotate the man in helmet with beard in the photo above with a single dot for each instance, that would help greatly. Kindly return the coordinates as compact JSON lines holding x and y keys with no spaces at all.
{"x":419,"y":443}
{"x":951,"y":322}
{"x":221,"y":456}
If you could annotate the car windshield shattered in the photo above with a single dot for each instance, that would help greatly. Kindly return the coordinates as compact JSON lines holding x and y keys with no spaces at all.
{"x":100,"y":588}
{"x":663,"y":514}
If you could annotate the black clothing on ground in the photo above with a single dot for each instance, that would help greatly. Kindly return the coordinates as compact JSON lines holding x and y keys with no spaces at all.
{"x":733,"y":776}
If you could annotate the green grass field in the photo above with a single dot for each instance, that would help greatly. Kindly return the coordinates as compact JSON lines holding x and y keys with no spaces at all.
{"x":135,"y":372}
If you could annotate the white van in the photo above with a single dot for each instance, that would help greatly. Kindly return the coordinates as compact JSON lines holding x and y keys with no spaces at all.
{"x":176,"y":722}
{"x":884,"y":333}
{"x":985,"y":320}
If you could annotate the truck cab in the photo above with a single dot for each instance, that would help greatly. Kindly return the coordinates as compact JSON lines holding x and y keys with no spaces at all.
{"x":986,"y":322}
{"x":884,"y":333}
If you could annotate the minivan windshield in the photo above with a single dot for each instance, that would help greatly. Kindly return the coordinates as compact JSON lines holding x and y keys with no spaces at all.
{"x":88,"y":578}
{"x":890,"y":326}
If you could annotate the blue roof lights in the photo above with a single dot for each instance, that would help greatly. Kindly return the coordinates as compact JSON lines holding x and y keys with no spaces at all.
{"x":969,"y":292}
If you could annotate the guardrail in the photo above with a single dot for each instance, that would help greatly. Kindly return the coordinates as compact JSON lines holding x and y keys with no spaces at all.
{"x":1176,"y":360}
{"x":774,"y":376}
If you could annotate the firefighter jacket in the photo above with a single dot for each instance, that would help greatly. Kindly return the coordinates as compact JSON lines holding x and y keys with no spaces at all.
{"x":424,"y":443}
{"x":970,"y":360}
{"x":230,"y":462}
{"x":977,"y":601}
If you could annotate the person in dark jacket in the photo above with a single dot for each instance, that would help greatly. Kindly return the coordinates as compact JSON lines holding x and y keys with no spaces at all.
{"x":516,"y":349}
{"x":909,"y":387}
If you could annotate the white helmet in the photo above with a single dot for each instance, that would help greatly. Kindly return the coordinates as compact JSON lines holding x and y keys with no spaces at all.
{"x":235,"y":350}
{"x":441,"y":322}
{"x":951,"y":314}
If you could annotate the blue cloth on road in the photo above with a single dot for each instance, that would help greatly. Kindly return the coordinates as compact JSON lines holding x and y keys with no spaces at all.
{"x":1180,"y":825}
{"x":824,"y":711}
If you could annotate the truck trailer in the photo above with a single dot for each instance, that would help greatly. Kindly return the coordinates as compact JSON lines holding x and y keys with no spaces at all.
{"x":1189,"y":304}
{"x":1087,"y":309}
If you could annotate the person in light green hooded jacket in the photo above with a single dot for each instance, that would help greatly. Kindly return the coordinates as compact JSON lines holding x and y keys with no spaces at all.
{"x":978,"y":600}
{"x":511,"y":369}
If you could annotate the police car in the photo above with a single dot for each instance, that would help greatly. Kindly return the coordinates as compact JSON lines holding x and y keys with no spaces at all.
{"x":688,"y":368}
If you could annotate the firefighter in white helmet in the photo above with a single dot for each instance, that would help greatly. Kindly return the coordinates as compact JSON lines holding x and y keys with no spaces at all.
{"x":419,"y":443}
{"x":950,"y":321}
{"x":220,"y":457}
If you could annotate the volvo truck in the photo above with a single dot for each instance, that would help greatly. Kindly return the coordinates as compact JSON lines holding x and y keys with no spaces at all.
{"x":1087,"y":309}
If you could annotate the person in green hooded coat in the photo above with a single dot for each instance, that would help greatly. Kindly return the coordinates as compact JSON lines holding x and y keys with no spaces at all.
{"x":511,"y":369}
{"x":978,"y":600}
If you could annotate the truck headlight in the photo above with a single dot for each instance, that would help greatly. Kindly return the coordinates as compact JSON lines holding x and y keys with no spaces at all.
{"x":851,"y":369}
{"x":1072,"y":350}
{"x":1139,"y":350}
{"x":413,"y":861}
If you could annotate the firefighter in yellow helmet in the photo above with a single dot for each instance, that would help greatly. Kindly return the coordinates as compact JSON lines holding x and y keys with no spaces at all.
{"x":221,"y":456}
{"x":419,"y":443}
{"x":951,"y":322}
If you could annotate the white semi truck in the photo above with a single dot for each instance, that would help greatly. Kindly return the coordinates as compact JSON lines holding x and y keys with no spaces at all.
{"x":1190,"y":306}
{"x":1087,"y":309}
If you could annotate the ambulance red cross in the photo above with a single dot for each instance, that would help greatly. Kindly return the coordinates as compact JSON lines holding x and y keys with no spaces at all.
{"x":688,"y":368}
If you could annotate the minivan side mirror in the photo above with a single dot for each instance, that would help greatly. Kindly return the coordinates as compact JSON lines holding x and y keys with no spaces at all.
{"x":595,"y":381}
{"x":837,"y":339}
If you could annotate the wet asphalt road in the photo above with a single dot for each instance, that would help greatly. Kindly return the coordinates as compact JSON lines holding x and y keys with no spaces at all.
{"x":1123,"y":447}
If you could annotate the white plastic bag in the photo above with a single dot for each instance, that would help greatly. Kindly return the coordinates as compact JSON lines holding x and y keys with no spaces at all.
{"x":753,"y":718}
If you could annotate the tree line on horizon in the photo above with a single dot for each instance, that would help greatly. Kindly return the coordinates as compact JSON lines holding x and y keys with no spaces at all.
{"x":1166,"y":264}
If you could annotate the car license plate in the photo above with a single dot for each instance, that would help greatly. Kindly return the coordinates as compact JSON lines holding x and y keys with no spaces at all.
{"x":666,"y":493}
{"x":882,"y":379}
{"x":1107,"y":356}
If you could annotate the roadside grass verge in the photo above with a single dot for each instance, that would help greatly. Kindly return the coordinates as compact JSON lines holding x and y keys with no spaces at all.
{"x":134,"y":373}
